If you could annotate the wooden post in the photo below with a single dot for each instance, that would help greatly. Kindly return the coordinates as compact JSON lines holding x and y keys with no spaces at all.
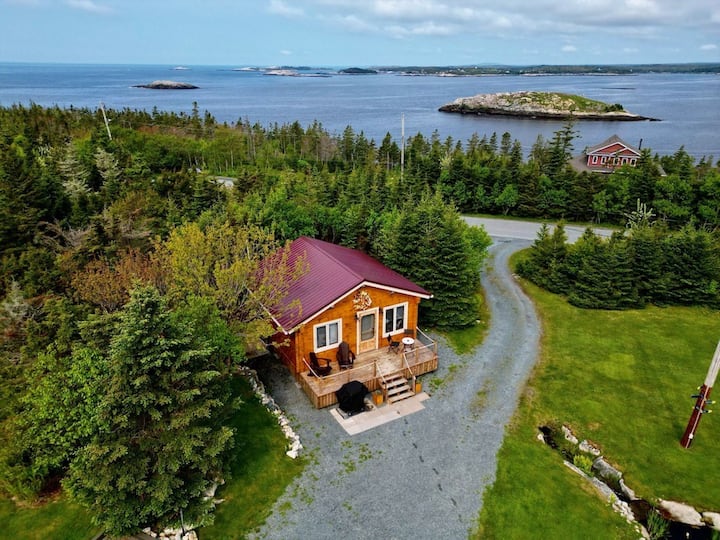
{"x":702,"y":400}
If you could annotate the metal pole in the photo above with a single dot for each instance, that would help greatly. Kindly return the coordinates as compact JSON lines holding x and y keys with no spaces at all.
{"x":107,"y":124}
{"x":402,"y":145}
{"x":702,"y":400}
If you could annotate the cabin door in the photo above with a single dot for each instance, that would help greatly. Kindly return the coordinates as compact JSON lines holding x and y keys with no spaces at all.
{"x":367,"y":329}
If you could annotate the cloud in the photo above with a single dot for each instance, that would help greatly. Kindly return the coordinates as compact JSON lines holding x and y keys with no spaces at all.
{"x":278,"y":7}
{"x":569,"y":48}
{"x":543,"y":18}
{"x":708,"y":47}
{"x":286,"y":52}
{"x":88,"y":5}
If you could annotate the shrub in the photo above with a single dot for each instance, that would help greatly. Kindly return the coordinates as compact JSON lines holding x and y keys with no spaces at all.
{"x":584,"y":463}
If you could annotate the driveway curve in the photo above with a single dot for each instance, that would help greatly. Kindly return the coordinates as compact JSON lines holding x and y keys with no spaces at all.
{"x":421,"y":476}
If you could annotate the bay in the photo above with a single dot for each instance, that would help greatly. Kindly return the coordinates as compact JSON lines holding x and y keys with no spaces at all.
{"x":688,"y":105}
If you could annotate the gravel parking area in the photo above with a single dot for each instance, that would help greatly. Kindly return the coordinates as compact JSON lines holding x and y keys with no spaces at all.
{"x":423,"y":475}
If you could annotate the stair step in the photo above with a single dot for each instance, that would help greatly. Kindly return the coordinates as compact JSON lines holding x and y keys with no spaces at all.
{"x":399,"y":397}
{"x":395,"y":383}
{"x":398,"y":389}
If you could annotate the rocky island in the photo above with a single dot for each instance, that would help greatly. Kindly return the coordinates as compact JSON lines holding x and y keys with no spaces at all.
{"x":542,"y":105}
{"x":167,"y":85}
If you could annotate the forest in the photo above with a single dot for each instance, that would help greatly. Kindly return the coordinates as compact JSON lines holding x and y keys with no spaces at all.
{"x":129,"y":257}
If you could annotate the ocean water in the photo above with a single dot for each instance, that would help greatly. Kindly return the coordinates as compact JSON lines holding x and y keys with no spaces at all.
{"x":688,"y":105}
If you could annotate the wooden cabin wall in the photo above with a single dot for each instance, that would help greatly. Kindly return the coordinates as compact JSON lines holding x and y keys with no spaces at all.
{"x":345,"y":310}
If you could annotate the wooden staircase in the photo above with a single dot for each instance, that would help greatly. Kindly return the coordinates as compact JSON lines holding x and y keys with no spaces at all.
{"x":396,"y":388}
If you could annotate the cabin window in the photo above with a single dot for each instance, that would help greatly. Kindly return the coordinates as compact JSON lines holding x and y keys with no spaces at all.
{"x":594,"y":160}
{"x":395,"y":318}
{"x":327,"y":335}
{"x":604,"y":159}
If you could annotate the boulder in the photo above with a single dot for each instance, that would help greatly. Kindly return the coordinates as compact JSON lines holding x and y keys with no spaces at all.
{"x":607,"y":473}
{"x":627,"y":492}
{"x":683,"y":513}
{"x":569,"y":435}
{"x":589,"y":448}
{"x":712,"y":519}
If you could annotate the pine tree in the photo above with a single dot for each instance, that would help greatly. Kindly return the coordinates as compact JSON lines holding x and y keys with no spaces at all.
{"x":430,"y":244}
{"x":162,"y":443}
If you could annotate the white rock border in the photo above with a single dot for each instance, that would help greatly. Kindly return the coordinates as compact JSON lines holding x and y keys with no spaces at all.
{"x":294,"y":444}
{"x":676,"y":511}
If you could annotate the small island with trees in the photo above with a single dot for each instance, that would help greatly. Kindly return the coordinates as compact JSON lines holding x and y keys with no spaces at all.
{"x":544,"y":105}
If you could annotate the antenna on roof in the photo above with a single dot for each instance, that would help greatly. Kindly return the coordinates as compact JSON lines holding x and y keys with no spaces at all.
{"x":640,"y":144}
{"x":107,"y":124}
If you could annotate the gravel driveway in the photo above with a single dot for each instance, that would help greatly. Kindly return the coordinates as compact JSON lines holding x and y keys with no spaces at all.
{"x":423,"y":475}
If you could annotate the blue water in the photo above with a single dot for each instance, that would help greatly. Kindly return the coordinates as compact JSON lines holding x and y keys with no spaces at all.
{"x":688,"y":105}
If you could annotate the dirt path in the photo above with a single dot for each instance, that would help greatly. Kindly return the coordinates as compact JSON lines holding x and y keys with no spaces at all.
{"x":423,"y":475}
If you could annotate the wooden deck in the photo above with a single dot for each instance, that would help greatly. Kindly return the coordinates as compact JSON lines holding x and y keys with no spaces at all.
{"x":370,"y":368}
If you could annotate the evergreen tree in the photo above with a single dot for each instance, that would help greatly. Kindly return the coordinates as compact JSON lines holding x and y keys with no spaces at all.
{"x":433,"y":246}
{"x":693,"y":265}
{"x":161,"y":442}
{"x":545,"y":265}
{"x":646,"y":245}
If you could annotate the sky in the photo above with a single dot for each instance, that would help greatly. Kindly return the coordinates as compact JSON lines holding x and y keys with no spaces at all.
{"x":345,"y":33}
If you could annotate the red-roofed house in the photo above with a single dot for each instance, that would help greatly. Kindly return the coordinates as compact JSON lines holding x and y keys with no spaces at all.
{"x":607,"y":156}
{"x":346,"y":295}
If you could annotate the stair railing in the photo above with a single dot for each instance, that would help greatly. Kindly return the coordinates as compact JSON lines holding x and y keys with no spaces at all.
{"x":383,"y":384}
{"x":412,"y":373}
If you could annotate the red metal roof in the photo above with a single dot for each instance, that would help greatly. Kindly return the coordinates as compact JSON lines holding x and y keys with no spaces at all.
{"x":332,"y":272}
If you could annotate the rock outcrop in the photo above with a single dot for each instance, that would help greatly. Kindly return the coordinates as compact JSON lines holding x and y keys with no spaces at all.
{"x":167,"y":85}
{"x":542,"y":105}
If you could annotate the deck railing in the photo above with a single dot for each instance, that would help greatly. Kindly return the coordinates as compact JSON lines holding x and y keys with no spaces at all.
{"x":412,"y":363}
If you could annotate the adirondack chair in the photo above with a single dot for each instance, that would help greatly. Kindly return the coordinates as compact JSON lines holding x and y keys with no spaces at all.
{"x":317,"y":368}
{"x":345,"y":356}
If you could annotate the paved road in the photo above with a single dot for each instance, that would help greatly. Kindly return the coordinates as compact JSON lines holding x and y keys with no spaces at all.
{"x":527,"y":230}
{"x":421,"y":476}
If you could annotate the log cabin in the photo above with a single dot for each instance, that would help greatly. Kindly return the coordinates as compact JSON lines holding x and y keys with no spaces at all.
{"x":345,"y":295}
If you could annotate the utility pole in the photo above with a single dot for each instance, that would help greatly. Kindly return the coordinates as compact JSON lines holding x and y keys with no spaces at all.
{"x":702,"y":400}
{"x":402,"y":145}
{"x":107,"y":124}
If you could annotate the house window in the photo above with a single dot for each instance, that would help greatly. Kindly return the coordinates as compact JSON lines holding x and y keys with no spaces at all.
{"x":604,"y":159}
{"x":594,"y":160}
{"x":327,"y":335}
{"x":395,"y":318}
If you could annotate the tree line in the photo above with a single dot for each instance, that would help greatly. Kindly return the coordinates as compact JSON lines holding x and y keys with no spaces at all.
{"x":646,"y":265}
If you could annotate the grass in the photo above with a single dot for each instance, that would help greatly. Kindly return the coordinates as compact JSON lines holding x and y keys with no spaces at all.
{"x":55,"y":519}
{"x":622,"y":380}
{"x":260,"y":471}
{"x":466,"y":340}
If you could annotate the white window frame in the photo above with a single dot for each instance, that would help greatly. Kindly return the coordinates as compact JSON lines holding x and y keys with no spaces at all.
{"x":594,"y":160}
{"x":327,"y":325}
{"x":395,"y":330}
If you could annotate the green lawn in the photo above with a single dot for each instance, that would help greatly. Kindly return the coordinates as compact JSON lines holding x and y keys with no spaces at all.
{"x":260,"y":473}
{"x":56,"y":519}
{"x":622,"y":380}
